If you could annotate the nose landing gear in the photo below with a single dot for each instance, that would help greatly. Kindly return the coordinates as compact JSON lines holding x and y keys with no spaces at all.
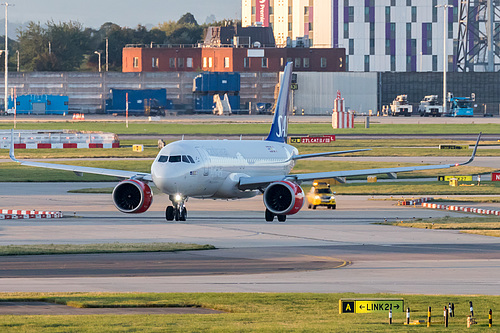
{"x":178,"y":211}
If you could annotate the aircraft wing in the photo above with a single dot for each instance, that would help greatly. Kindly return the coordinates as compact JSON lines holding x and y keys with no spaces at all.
{"x":252,"y":183}
{"x":79,"y":170}
{"x":298,"y":157}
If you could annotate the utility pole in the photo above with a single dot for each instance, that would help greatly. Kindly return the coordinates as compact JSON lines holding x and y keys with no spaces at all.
{"x":6,"y":91}
{"x":445,"y":56}
{"x":107,"y":54}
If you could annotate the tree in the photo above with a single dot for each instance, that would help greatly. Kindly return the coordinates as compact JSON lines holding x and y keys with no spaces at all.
{"x":56,"y":47}
{"x":187,"y":19}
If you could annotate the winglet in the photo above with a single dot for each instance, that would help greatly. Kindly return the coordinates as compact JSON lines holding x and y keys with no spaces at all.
{"x":11,"y":152}
{"x":473,"y":152}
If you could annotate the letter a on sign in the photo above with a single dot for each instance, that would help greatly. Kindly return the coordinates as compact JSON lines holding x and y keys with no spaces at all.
{"x":348,"y":307}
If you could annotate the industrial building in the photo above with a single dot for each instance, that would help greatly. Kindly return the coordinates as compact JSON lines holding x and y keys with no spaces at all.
{"x":388,"y":35}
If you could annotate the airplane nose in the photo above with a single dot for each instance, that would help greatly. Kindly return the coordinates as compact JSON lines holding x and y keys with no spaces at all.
{"x":166,"y":177}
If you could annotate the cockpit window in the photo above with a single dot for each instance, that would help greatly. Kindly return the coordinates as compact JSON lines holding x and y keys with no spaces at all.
{"x":185,"y":159}
{"x":190,"y":159}
{"x":174,"y":158}
{"x":163,"y":159}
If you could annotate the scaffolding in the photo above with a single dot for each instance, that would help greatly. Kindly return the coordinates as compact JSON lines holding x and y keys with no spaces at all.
{"x":478,"y":43}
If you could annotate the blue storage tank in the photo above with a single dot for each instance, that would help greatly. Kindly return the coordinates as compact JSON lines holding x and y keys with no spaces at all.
{"x":40,"y":104}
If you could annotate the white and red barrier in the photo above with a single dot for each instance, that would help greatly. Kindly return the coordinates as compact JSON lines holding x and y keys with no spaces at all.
{"x":9,"y":214}
{"x":413,"y":202}
{"x":461,"y":209}
{"x":65,"y":145}
{"x":58,"y":139}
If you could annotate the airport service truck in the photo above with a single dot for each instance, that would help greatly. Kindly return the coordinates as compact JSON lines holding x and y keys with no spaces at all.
{"x":400,"y":106}
{"x":430,"y":106}
{"x":460,"y":106}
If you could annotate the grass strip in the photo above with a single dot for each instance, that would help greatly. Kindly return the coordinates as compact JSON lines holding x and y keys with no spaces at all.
{"x":14,"y":250}
{"x":486,"y":226}
{"x":246,"y":312}
{"x":258,"y":127}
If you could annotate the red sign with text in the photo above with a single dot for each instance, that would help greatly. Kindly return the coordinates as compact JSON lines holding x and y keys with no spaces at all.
{"x":263,"y":12}
{"x":495,"y":176}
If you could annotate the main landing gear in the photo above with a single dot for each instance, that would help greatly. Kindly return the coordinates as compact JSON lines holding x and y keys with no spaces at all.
{"x":270,"y":216}
{"x":178,"y":211}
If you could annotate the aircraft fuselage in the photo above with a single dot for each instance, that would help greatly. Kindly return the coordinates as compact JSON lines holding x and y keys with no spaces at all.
{"x":212,"y":169}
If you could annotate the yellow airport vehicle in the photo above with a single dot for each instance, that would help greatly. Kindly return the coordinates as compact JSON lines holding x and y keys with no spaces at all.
{"x":321,"y":195}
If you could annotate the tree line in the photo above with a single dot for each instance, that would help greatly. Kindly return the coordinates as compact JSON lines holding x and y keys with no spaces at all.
{"x":69,"y":46}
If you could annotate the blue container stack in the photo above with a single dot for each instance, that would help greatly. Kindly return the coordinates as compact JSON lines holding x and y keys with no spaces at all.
{"x":206,"y":85}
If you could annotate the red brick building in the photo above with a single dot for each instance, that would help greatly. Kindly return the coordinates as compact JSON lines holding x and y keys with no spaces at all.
{"x":231,"y":59}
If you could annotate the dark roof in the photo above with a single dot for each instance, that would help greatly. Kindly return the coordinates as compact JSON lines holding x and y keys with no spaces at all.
{"x":249,"y":35}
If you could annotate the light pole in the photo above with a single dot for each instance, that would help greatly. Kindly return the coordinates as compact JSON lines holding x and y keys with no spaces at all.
{"x":17,"y":53}
{"x":6,"y":91}
{"x":445,"y":58}
{"x":107,"y":54}
{"x":99,"y":53}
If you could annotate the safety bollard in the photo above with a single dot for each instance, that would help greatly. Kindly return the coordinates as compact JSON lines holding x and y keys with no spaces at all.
{"x":453,"y":309}
{"x":390,"y":316}
{"x":407,"y":316}
{"x":490,"y":319}
{"x":471,"y":309}
{"x":445,"y":316}
{"x":449,"y":311}
{"x":429,"y":317}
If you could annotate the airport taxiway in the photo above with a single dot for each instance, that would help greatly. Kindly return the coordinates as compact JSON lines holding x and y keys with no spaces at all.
{"x":252,"y":256}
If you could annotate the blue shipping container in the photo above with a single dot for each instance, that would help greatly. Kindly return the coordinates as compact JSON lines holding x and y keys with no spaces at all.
{"x":137,"y":100}
{"x":40,"y":104}
{"x":217,"y":82}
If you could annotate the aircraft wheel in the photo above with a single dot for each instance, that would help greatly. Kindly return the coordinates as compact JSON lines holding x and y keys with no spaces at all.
{"x":314,"y":206}
{"x":183,"y":215}
{"x":177,"y":215}
{"x":281,"y":218}
{"x":169,"y":213}
{"x":269,"y":216}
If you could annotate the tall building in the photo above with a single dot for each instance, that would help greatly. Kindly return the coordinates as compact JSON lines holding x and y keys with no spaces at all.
{"x":381,"y":35}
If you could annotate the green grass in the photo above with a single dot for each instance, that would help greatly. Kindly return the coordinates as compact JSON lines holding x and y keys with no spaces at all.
{"x":257,"y":128}
{"x":472,"y":224}
{"x":245,"y":312}
{"x":11,"y":250}
{"x":416,"y":189}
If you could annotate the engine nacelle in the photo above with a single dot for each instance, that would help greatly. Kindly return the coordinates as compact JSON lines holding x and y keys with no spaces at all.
{"x":132,"y":196}
{"x":283,"y":198}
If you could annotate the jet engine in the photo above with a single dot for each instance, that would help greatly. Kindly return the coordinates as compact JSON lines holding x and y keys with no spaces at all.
{"x":132,"y":196}
{"x":283,"y":198}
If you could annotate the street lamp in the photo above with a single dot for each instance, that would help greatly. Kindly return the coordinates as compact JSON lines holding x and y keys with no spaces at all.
{"x":445,"y":58}
{"x":6,"y":78}
{"x":17,"y":53}
{"x":99,"y":53}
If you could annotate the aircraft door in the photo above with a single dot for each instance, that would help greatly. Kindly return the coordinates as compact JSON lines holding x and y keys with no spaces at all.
{"x":205,"y":161}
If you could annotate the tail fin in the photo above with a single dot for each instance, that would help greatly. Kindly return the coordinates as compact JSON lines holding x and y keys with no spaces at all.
{"x":279,"y":128}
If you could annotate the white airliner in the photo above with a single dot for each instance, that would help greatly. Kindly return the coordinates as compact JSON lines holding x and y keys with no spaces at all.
{"x":227,"y":169}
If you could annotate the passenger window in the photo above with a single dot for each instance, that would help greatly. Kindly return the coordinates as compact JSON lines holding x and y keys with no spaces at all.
{"x":175,"y":159}
{"x":191,"y":159}
{"x":163,"y":159}
{"x":185,"y":159}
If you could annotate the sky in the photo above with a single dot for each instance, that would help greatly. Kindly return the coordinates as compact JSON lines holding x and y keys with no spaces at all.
{"x":130,"y":13}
